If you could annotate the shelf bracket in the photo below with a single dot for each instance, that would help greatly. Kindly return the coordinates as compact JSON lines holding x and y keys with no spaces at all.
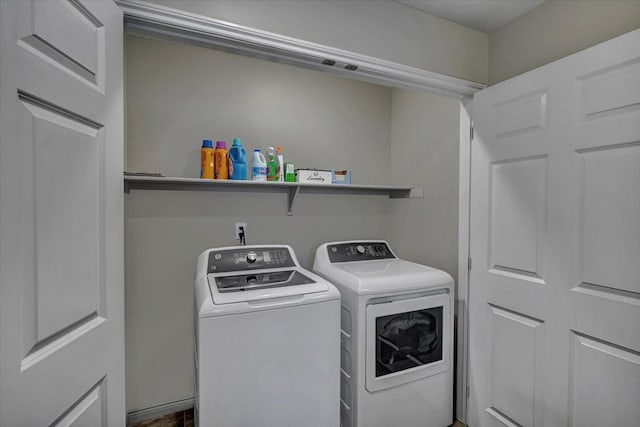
{"x":293,"y":192}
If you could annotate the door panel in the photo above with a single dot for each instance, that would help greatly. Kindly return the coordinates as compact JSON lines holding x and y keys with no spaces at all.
{"x":67,"y":35}
{"x":600,"y":371}
{"x":66,"y":195}
{"x":61,"y":252}
{"x":555,"y":243}
{"x":526,"y":113}
{"x":610,"y":211}
{"x":611,"y":90}
{"x":515,"y":338}
{"x":517,"y":218}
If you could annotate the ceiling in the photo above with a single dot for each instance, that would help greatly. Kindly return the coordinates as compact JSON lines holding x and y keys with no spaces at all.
{"x":483,"y":15}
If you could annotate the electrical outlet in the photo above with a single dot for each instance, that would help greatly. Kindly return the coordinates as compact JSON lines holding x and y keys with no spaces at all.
{"x":238,"y":225}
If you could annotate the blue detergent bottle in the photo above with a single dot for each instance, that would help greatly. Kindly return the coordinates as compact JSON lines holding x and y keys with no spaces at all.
{"x":237,"y":160}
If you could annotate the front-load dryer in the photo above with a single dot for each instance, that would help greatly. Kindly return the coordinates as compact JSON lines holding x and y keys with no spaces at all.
{"x":267,"y":340}
{"x":396,"y":336}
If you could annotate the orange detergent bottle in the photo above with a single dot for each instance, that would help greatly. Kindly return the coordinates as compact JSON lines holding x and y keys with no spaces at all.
{"x":221,"y":160}
{"x":206,"y":160}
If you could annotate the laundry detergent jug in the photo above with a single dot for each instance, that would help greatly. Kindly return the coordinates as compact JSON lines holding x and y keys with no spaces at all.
{"x":206,"y":160}
{"x":237,"y":160}
{"x":221,"y":160}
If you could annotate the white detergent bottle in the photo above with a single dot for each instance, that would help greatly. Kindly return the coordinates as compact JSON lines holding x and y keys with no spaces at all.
{"x":258,"y":166}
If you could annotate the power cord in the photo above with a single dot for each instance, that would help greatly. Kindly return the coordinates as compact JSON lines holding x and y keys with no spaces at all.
{"x":241,"y":234}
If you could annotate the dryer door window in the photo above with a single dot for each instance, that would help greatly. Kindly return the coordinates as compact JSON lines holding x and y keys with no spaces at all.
{"x":407,"y":340}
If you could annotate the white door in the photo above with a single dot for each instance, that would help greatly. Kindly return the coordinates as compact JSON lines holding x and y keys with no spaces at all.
{"x":61,"y":214}
{"x":555,"y":244}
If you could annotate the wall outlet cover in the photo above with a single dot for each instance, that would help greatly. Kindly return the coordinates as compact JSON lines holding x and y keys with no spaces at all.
{"x":238,"y":225}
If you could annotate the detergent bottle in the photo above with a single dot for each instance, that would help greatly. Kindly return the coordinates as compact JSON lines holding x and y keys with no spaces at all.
{"x":221,"y":161}
{"x":206,"y":160}
{"x":237,"y":160}
{"x":272,"y":165}
{"x":258,"y":166}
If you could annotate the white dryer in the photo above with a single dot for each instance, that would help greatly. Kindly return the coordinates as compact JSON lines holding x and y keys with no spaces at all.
{"x":396,"y":336}
{"x":267,"y":340}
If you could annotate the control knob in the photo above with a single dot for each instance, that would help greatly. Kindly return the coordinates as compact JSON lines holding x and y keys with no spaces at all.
{"x":252,"y":257}
{"x":360,"y":249}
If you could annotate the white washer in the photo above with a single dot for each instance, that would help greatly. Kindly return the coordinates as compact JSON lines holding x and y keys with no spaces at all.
{"x":397,"y":336}
{"x":267,"y":340}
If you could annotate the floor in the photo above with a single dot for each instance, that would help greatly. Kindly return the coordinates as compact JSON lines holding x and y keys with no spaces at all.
{"x":185,"y":419}
{"x":177,"y":419}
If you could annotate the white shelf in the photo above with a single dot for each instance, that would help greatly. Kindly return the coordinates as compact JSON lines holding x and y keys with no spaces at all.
{"x":292,"y":189}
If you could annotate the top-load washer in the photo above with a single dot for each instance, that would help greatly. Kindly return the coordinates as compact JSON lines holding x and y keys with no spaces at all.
{"x":396,"y":336}
{"x":267,"y":340}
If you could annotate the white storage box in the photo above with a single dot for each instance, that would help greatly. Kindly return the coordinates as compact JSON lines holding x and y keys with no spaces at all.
{"x":313,"y":176}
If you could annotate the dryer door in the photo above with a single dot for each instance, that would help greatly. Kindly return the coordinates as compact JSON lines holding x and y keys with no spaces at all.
{"x":407,"y":340}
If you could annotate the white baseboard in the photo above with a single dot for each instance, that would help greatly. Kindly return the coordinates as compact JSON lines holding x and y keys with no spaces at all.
{"x":160,"y":410}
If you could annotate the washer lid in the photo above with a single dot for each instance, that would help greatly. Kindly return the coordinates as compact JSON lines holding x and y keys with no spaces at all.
{"x":263,"y":285}
{"x":253,"y":281}
{"x":384,"y":276}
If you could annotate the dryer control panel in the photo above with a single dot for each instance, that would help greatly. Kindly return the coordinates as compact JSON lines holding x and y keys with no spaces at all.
{"x":358,"y":251}
{"x":248,"y":258}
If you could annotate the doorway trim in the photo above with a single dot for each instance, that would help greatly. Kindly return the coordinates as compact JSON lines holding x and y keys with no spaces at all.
{"x":147,"y":19}
{"x":464,"y":259}
{"x":152,"y":20}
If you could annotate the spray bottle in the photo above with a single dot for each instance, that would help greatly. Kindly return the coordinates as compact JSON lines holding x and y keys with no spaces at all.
{"x":280,"y":165}
{"x":272,"y":165}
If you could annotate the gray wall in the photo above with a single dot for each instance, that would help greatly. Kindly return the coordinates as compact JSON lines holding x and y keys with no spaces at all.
{"x":177,"y":95}
{"x":164,"y":234}
{"x":378,"y":28}
{"x":555,"y":29}
{"x":425,"y":133}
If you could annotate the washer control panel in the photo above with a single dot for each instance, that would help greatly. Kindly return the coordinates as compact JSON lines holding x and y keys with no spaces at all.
{"x":249,"y":258}
{"x":359,"y":251}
